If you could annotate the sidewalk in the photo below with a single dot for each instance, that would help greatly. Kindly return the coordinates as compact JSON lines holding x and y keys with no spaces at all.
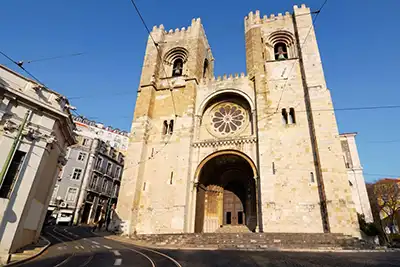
{"x":29,"y":252}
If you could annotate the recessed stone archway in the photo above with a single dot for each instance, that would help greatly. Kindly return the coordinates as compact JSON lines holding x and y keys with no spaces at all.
{"x":226,"y":192}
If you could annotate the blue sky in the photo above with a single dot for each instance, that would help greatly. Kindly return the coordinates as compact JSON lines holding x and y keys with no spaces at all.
{"x":359,"y":43}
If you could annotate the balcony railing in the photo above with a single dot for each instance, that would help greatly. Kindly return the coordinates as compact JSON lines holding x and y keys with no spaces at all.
{"x":99,"y":168}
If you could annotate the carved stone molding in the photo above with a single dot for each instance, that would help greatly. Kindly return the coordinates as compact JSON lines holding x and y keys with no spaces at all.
{"x":10,"y":126}
{"x":224,"y":142}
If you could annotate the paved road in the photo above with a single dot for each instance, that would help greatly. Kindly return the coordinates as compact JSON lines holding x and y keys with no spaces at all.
{"x":78,"y":247}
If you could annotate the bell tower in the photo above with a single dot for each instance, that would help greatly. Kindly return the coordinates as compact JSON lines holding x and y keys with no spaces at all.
{"x":158,"y":159}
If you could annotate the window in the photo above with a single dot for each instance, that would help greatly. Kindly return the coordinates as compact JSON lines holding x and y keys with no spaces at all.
{"x":104,"y":187}
{"x":118,"y":172}
{"x":76,"y":174}
{"x":280,"y":50}
{"x":168,"y":128}
{"x":81,"y":156}
{"x":165,"y":127}
{"x":85,"y":142}
{"x":55,"y":191}
{"x":171,"y":127}
{"x":312,"y":180}
{"x":177,"y":69}
{"x":273,"y":168}
{"x":116,"y":189}
{"x":109,"y":168}
{"x":205,"y":68}
{"x":71,"y":194}
{"x":99,"y":162}
{"x":292,"y":117}
{"x":93,"y":182}
{"x":282,"y":44}
{"x":172,"y":176}
{"x":12,"y":174}
{"x":144,"y":186}
{"x":284,"y":116}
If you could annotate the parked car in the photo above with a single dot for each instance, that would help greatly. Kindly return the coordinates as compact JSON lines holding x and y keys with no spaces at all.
{"x":65,"y":216}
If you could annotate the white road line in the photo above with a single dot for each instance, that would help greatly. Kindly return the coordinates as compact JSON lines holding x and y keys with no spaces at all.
{"x":117,"y":262}
{"x":82,"y":247}
{"x":116,"y":253}
{"x":107,"y":247}
{"x":94,"y":242}
{"x":77,"y":247}
{"x":97,"y":246}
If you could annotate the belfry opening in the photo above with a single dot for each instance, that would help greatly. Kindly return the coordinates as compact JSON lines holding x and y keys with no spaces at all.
{"x":226,"y":194}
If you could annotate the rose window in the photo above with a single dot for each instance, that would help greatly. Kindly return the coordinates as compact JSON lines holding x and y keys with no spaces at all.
{"x":227,"y":118}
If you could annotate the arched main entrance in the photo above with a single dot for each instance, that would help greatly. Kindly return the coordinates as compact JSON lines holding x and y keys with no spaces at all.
{"x":226,"y":192}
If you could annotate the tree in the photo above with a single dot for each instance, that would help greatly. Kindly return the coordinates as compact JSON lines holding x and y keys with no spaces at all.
{"x":388,"y":200}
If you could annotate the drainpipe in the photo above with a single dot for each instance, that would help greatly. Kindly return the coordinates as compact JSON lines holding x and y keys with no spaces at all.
{"x":258,"y":188}
{"x":14,"y":146}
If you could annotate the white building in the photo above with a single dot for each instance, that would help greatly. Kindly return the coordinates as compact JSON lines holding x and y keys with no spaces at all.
{"x":116,"y":138}
{"x":36,"y":127}
{"x":355,"y":175}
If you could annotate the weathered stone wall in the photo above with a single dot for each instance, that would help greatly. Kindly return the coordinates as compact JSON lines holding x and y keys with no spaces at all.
{"x":297,"y":161}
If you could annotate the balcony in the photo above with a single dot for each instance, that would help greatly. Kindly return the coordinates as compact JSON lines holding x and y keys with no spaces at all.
{"x":94,"y":188}
{"x":99,"y":169}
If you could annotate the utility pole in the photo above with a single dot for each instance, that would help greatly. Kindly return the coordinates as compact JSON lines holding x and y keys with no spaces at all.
{"x":14,"y":147}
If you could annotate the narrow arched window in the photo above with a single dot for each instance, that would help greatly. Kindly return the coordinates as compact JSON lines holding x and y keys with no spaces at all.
{"x":177,"y":68}
{"x":284,"y":116}
{"x":280,"y":50}
{"x":171,"y":127}
{"x":292,"y":116}
{"x":205,"y":68}
{"x":165,"y":127}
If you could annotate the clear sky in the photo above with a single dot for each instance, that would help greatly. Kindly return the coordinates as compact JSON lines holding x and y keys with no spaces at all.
{"x":359,"y":43}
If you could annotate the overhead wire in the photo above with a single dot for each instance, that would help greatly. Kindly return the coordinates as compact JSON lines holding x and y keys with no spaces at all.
{"x":21,"y":67}
{"x":163,"y":67}
{"x":47,"y":58}
{"x":158,"y":52}
{"x":301,"y":46}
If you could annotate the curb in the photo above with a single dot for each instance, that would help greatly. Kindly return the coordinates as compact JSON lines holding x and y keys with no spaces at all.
{"x":31,"y":257}
{"x":332,"y":250}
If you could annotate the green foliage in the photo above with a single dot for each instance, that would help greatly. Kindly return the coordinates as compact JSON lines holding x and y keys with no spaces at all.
{"x":370,"y":229}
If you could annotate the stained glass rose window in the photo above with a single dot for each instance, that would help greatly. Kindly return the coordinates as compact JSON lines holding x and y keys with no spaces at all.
{"x":227,"y":118}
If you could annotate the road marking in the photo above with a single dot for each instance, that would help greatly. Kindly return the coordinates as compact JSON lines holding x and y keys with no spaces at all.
{"x":117,"y":262}
{"x":116,"y":253}
{"x":82,"y":247}
{"x":94,"y":242}
{"x":97,"y":246}
{"x":77,"y":247}
{"x":107,"y":247}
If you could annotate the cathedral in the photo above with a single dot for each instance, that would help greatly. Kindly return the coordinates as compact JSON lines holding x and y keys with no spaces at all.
{"x":256,"y":152}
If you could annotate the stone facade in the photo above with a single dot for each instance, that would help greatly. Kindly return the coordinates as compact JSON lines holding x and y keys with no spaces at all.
{"x":355,"y":175}
{"x":269,"y":137}
{"x":35,"y":129}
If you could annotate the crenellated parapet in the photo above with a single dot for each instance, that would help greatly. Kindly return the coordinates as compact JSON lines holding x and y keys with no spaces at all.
{"x":254,"y":18}
{"x":195,"y":25}
{"x":225,"y":77}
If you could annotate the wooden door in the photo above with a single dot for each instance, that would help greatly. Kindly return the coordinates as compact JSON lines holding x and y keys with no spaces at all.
{"x":233,"y":209}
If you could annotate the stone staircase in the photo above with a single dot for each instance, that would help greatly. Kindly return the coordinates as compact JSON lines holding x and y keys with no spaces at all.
{"x":255,"y":241}
{"x":233,"y":229}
